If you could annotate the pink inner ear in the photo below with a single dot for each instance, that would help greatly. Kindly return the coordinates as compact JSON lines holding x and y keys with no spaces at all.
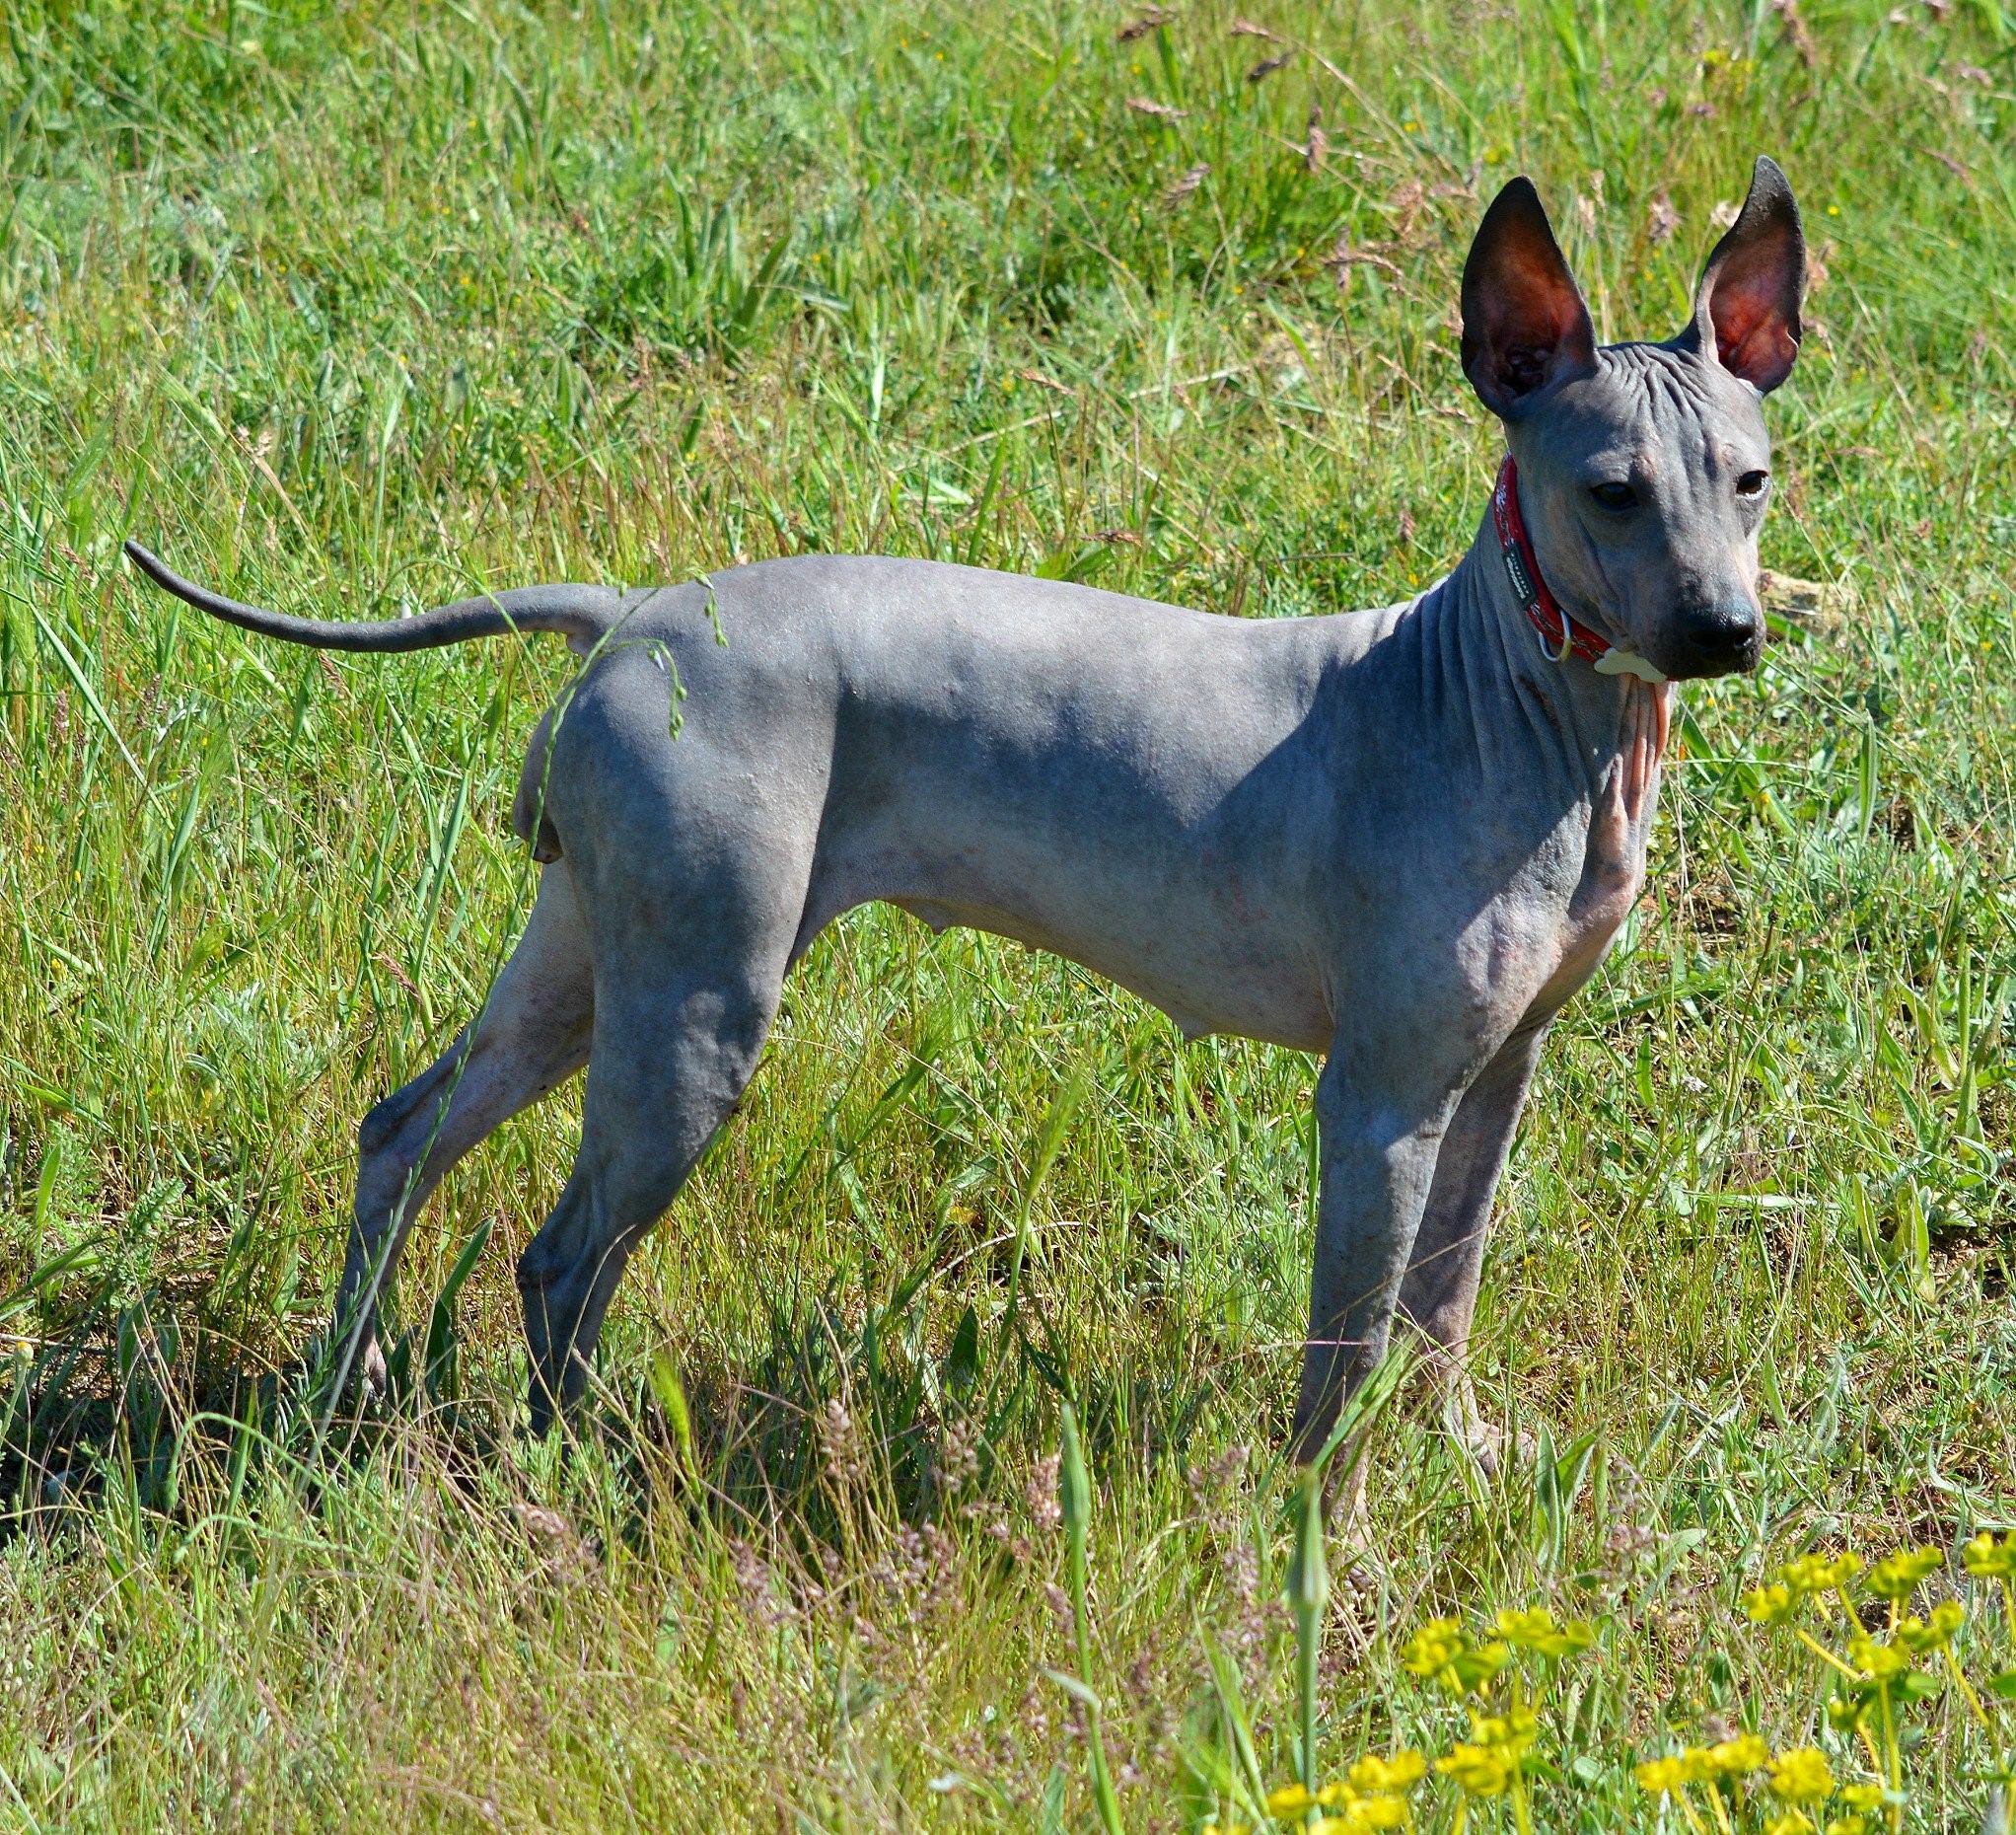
{"x":1744,"y":314}
{"x":1766,"y":351}
{"x":1748,"y":310}
{"x":1541,"y":305}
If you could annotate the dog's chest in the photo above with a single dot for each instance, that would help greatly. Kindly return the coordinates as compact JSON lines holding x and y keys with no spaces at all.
{"x":1612,"y":880}
{"x":1612,"y":867}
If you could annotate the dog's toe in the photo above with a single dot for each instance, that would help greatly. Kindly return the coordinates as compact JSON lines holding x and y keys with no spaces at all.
{"x":1489,"y":1445}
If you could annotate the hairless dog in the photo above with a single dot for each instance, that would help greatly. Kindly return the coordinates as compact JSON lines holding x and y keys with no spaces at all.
{"x":1399,"y":837}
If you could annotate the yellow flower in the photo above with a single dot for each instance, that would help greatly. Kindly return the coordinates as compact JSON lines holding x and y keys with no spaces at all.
{"x":1988,"y":1558}
{"x":1801,"y":1776}
{"x":1791,"y":1823}
{"x":1404,"y":1769}
{"x":1920,"y":1636}
{"x":1878,"y":1663}
{"x":1482,"y":1662}
{"x":1771,"y":1605}
{"x":1731,"y":1758}
{"x":1477,"y":1771}
{"x":1844,"y":1567}
{"x":1535,"y":1630}
{"x":1523,"y":1630}
{"x":1808,"y":1574}
{"x":1694,"y":1761}
{"x":1291,"y":1800}
{"x":1895,"y":1576}
{"x":1845,"y":1713}
{"x":1379,"y":1811}
{"x":1511,"y":1734}
{"x":1663,"y":1776}
{"x":1817,"y":1573}
{"x":1862,"y":1796}
{"x":1441,"y":1651}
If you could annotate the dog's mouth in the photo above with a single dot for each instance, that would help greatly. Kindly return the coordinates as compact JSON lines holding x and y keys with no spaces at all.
{"x":1695,"y":668}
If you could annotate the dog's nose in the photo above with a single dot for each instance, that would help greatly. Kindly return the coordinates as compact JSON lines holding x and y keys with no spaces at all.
{"x":1724,"y":637}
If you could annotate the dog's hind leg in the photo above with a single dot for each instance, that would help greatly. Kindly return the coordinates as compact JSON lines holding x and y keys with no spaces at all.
{"x":671,"y":1061}
{"x":531,"y":1035}
{"x":1439,"y":1294}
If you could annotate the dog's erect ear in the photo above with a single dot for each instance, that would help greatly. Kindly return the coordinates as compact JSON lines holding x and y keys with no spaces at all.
{"x":1525,"y":326}
{"x":1748,"y":308}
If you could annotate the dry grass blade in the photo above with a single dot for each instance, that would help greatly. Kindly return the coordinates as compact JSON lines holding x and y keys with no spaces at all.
{"x":1797,"y":31}
{"x":1346,"y":256}
{"x":1148,"y":20}
{"x":1182,"y":188}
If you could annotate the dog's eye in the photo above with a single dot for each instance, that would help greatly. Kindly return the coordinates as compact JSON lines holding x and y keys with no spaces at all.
{"x":1752,"y":483}
{"x":1615,"y":496}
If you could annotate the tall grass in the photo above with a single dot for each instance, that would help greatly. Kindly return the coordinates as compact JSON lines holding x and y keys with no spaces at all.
{"x":357,"y":309}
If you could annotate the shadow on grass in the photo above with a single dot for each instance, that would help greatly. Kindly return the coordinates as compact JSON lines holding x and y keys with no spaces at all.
{"x":842,"y":1418}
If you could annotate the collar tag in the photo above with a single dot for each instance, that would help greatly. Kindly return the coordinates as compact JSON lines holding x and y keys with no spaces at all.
{"x":1616,"y":662}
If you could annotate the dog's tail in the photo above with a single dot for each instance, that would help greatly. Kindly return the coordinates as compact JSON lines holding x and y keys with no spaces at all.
{"x":582,"y":613}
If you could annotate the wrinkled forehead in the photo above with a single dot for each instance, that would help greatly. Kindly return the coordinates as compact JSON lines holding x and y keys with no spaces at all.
{"x":1655,"y":407}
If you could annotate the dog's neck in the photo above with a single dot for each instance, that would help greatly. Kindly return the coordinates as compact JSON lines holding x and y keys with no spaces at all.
{"x":1576,"y":709}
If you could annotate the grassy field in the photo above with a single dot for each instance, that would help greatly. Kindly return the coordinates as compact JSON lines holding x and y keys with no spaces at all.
{"x":354,"y":309}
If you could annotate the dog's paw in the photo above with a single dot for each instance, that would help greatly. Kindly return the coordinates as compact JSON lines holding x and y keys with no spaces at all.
{"x":1490,"y":1447}
{"x":364,"y":1380}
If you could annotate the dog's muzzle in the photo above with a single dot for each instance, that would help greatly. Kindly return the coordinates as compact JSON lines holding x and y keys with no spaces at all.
{"x":1718,"y":640}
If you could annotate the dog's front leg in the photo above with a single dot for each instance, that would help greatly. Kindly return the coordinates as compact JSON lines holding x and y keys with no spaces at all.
{"x":1379,"y":1131}
{"x":1440,"y":1292}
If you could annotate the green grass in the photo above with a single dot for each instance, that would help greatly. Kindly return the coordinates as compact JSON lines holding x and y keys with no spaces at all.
{"x":362,"y":308}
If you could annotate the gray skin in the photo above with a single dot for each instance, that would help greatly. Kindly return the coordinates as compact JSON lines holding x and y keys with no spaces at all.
{"x":1399,"y":837}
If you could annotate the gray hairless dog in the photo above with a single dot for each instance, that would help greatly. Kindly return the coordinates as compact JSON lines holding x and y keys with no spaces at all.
{"x":1399,"y":837}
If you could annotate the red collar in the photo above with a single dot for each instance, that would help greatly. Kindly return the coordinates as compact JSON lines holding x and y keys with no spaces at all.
{"x":1560,"y":635}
